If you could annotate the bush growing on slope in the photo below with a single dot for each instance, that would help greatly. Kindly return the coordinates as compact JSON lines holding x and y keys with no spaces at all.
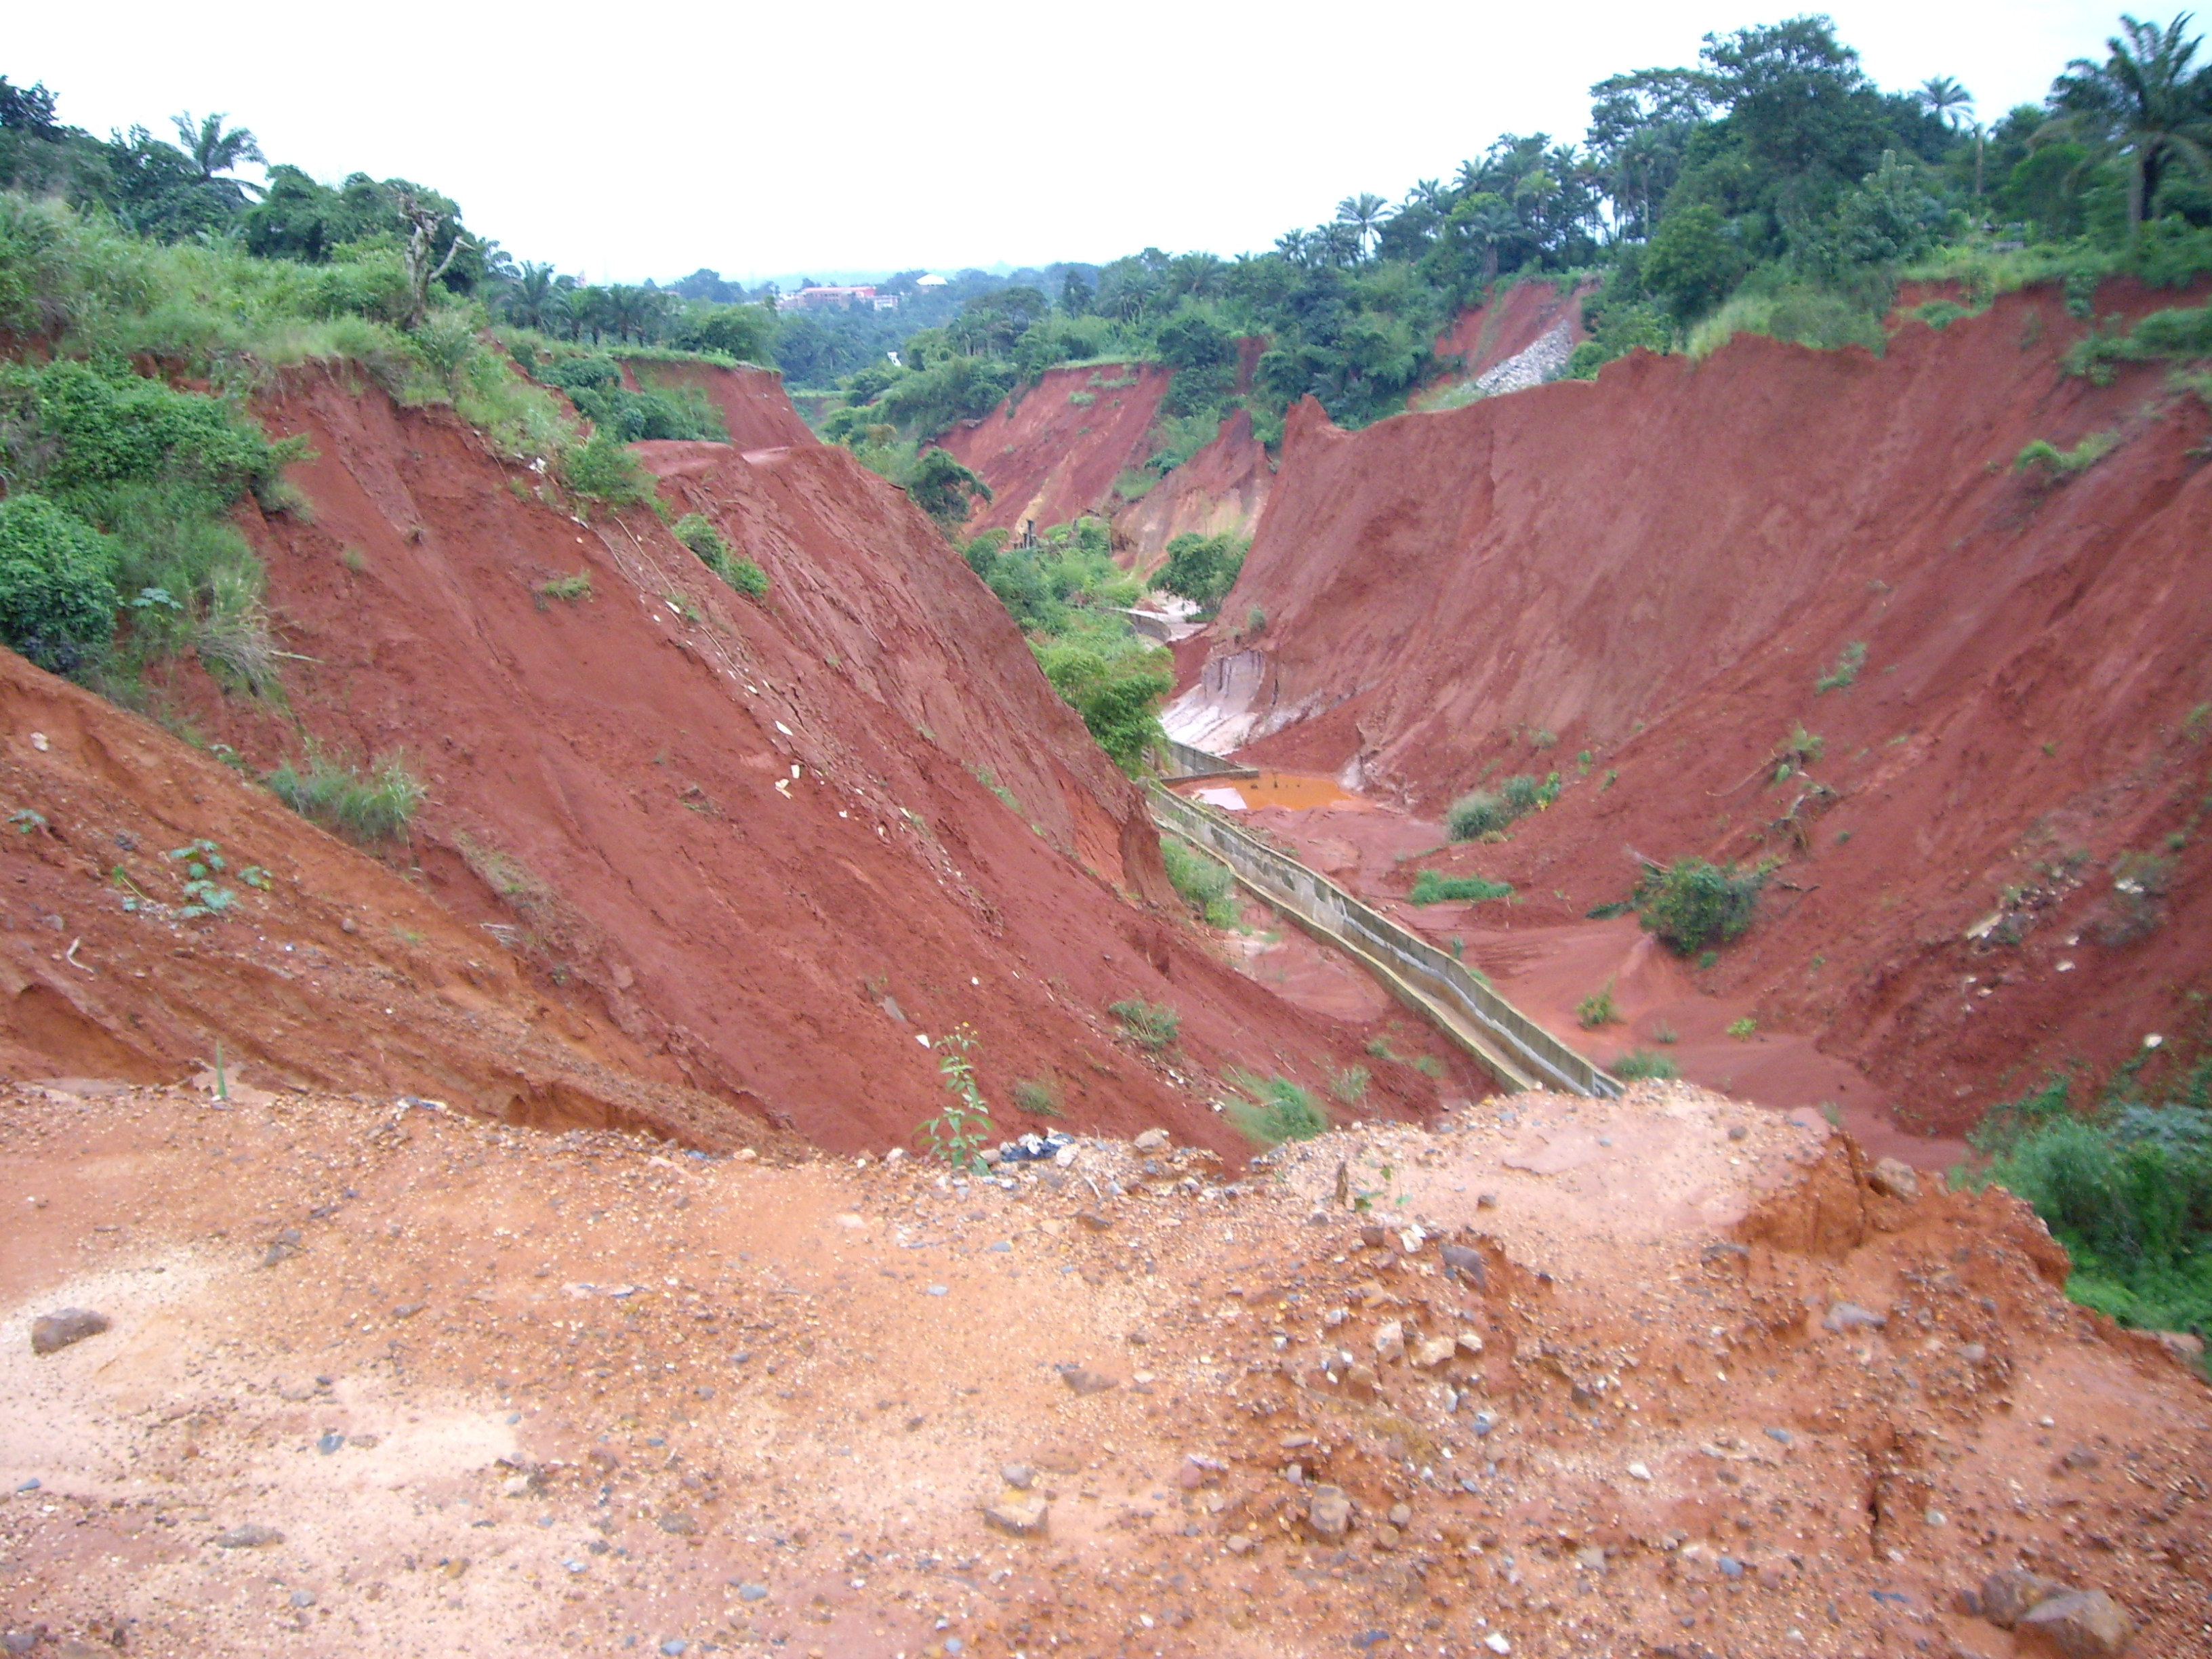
{"x":1202,"y":569}
{"x":57,"y":589}
{"x":1492,"y":811}
{"x":1278,"y":1109}
{"x":1432,"y":887}
{"x":1691,"y":904}
{"x":1206,"y":883}
{"x":694,"y":531}
{"x":364,"y":808}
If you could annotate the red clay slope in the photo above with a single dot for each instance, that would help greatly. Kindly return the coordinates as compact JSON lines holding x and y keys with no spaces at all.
{"x":754,"y":409}
{"x":760,"y":837}
{"x":1484,"y":335}
{"x":1221,"y":490}
{"x":1049,"y":458}
{"x":1657,"y":567}
{"x":324,"y":971}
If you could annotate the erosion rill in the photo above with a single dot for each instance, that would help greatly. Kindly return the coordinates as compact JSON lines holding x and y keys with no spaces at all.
{"x":556,"y":1259}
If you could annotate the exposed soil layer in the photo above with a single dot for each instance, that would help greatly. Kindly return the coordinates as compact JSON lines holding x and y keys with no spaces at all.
{"x":1484,"y":335}
{"x":1050,"y":457}
{"x":1639,"y":582}
{"x":319,"y":969}
{"x":752,"y":401}
{"x":764,"y":839}
{"x":1218,"y":491}
{"x":391,"y":1381}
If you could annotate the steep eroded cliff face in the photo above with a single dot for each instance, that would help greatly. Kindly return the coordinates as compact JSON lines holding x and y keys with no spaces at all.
{"x":1658,"y":569}
{"x":772,"y":843}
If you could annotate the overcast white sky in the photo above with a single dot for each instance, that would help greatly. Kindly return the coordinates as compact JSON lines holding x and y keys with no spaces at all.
{"x":626,"y":141}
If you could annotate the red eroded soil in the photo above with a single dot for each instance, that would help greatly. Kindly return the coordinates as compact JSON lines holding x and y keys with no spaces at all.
{"x":1654,"y":570}
{"x":763,"y":838}
{"x":1218,"y":491}
{"x":1052,"y":460}
{"x":751,"y":400}
{"x":1484,"y":335}
{"x":321,"y":970}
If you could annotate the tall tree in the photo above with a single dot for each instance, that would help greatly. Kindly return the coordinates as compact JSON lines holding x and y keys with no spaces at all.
{"x":1947,"y":100}
{"x":2147,"y":100}
{"x":1364,"y":212}
{"x":212,"y":149}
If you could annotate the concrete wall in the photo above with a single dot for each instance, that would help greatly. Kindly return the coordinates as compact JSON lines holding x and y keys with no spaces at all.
{"x":1544,"y":1060}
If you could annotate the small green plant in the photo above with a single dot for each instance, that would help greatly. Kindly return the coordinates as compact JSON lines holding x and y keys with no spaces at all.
{"x":1490,"y":811}
{"x":1642,"y":1064}
{"x":1743,"y":1030}
{"x":1457,"y":946}
{"x":1832,"y":1113}
{"x":2058,"y":464}
{"x":1151,"y":1025}
{"x":1256,"y":621}
{"x":204,"y":895}
{"x":1039,"y":1096}
{"x":1691,"y":902}
{"x":1541,"y":738}
{"x":26,"y":821}
{"x":603,"y":470}
{"x":1433,"y":887}
{"x":957,"y":1134}
{"x":1428,"y":1065}
{"x":1708,"y":958}
{"x":568,"y":589}
{"x":1845,"y":673}
{"x":1797,"y":752}
{"x":1597,"y":1009}
{"x":1381,"y":1049}
{"x":1664,"y":1032}
{"x":353,"y":559}
{"x":1277,"y":1109}
{"x":377,"y":806}
{"x":1349,"y":1085}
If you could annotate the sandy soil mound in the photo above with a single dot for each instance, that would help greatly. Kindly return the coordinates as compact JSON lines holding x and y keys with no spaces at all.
{"x":774,"y":844}
{"x":1657,"y":1377}
{"x":1654,"y":571}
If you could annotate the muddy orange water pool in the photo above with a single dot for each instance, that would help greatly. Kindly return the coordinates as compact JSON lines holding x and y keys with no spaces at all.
{"x":1295,"y":790}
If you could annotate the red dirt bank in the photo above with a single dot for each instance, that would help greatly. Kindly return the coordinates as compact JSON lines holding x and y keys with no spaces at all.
{"x":1656,"y":568}
{"x":757,"y":836}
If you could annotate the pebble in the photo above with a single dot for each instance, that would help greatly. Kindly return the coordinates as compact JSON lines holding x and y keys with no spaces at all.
{"x":1496,"y":1643}
{"x":303,"y":1598}
{"x":2080,"y":1624}
{"x":936,"y":1290}
{"x":1328,"y":1512}
{"x":1151,"y":1140}
{"x":1730,"y":1567}
{"x":2007,"y":1597}
{"x":752,"y":1592}
{"x":1084,"y":1380}
{"x":1849,"y":1317}
{"x":251,"y":1536}
{"x":1021,"y":1513}
{"x":1090,"y":1218}
{"x":1781,"y":1436}
{"x":1389,"y":1342}
{"x":1639,"y":1471}
{"x":329,"y":1442}
{"x":1895,"y":1178}
{"x":50,"y":1332}
{"x":1018,"y":1475}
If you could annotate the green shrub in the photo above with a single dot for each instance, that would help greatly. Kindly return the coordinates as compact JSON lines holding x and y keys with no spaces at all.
{"x":1037,"y":1095}
{"x":1205,"y":883}
{"x":1522,"y":794}
{"x":364,"y":808}
{"x":1691,"y":902}
{"x":695,"y":533}
{"x":1202,"y":569}
{"x":1350,"y":1086}
{"x":1490,"y":811}
{"x":1278,"y":1109}
{"x":57,"y":585}
{"x":1597,"y":1009}
{"x":2062,"y":464}
{"x":1642,"y":1064}
{"x":1430,"y":887}
{"x":1846,"y":674}
{"x":603,"y":470}
{"x":569,"y":588}
{"x":1118,"y":693}
{"x":1743,"y":1030}
{"x":1152,"y":1024}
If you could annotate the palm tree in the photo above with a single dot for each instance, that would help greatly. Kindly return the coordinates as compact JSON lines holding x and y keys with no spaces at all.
{"x":1198,"y":275}
{"x":213,"y":150}
{"x":1946,"y":100}
{"x":2146,"y":100}
{"x":531,"y":303}
{"x":1364,"y":212}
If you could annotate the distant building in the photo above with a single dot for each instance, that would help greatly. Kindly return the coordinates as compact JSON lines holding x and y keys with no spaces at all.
{"x":824,"y":298}
{"x":931,"y":281}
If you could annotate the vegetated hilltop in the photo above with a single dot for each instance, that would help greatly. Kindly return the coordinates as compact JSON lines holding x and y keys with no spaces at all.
{"x":776,"y":837}
{"x":1658,"y":1374}
{"x":1844,"y":613}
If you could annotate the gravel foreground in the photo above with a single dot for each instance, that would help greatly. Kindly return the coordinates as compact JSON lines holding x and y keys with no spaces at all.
{"x":1665,"y":1376}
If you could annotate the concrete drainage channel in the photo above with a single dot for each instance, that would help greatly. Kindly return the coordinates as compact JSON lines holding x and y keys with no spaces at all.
{"x":1515,"y":1050}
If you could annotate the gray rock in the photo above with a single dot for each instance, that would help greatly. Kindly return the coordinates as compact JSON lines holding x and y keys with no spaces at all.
{"x":1328,"y":1512}
{"x":1090,"y":1218}
{"x":303,"y":1598}
{"x":251,"y":1536}
{"x":1402,"y":1515}
{"x":1389,"y":1342}
{"x":1458,"y":1259}
{"x":329,"y":1442}
{"x":50,"y":1332}
{"x":1781,"y":1436}
{"x":1084,"y":1380}
{"x":1024,"y":1514}
{"x":752,"y":1592}
{"x":1895,"y":1178}
{"x":1151,"y":1140}
{"x":677,"y":1524}
{"x":2007,"y":1597}
{"x":2080,"y":1625}
{"x":1849,"y":1317}
{"x":1018,"y":1475}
